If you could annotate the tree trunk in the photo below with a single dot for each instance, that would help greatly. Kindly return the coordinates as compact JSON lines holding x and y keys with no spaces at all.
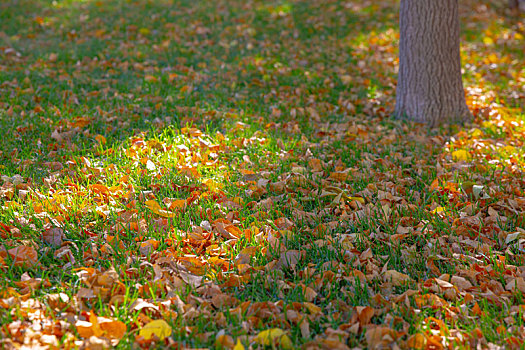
{"x":429,"y":86}
{"x":517,"y":6}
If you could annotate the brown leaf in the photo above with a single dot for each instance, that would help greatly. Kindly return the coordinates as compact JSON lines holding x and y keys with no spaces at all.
{"x":516,"y":284}
{"x":396,"y":278}
{"x":309,"y":293}
{"x":289,"y":259}
{"x":112,"y":329}
{"x":23,"y":256}
{"x":339,"y":176}
{"x":304,"y":326}
{"x":101,"y":326}
{"x":53,"y":236}
{"x":364,"y":314}
{"x":192,"y":280}
{"x":380,"y":337}
{"x":461,"y":283}
{"x":58,"y":301}
{"x":315,"y":164}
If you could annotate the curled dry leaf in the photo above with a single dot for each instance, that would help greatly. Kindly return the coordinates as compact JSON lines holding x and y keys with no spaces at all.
{"x":191,"y":279}
{"x":58,"y":301}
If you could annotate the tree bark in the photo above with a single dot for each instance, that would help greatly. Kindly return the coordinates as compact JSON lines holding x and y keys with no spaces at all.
{"x":429,"y":86}
{"x":517,"y":6}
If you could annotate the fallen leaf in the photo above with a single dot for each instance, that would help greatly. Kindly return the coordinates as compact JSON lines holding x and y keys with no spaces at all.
{"x":460,"y":155}
{"x":289,"y":259}
{"x":516,"y":284}
{"x":380,"y":337}
{"x":461,"y":283}
{"x":101,"y":326}
{"x":53,"y":236}
{"x":156,"y":208}
{"x":396,"y":278}
{"x":365,"y":314}
{"x":274,"y":337}
{"x":159,"y":328}
{"x":23,"y":256}
{"x":416,"y":341}
{"x":238,"y":345}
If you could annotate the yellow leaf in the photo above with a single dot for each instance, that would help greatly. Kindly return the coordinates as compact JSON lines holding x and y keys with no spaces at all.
{"x":439,"y":210}
{"x":239,"y":345}
{"x":460,"y":155}
{"x":492,"y":58}
{"x":488,"y":41}
{"x":178,"y":204}
{"x":270,"y":336}
{"x":212,"y":184}
{"x":238,"y":200}
{"x":357,"y":199}
{"x":160,"y":328}
{"x":155,"y":207}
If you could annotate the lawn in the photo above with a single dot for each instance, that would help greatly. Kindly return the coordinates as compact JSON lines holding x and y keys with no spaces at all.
{"x":227,"y":174}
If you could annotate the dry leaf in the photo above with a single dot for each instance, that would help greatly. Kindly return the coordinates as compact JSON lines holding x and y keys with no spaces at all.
{"x":289,"y":259}
{"x":53,"y":236}
{"x":156,"y":208}
{"x":274,"y":337}
{"x":159,"y":328}
{"x":23,"y":256}
{"x":396,"y":278}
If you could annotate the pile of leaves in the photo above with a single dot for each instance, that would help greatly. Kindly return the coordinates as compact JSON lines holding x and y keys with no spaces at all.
{"x":226,"y":174}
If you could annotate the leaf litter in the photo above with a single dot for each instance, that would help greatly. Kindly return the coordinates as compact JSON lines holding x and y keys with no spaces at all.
{"x":291,"y":213}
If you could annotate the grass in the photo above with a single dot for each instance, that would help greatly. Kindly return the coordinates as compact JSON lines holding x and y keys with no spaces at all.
{"x":233,"y":167}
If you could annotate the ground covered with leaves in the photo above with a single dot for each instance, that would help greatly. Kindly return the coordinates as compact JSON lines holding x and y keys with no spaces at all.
{"x":226,"y":174}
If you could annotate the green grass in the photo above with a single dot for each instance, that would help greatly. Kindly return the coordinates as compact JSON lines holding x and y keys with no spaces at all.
{"x":106,"y":105}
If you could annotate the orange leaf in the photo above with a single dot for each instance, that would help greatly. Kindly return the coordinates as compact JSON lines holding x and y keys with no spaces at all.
{"x":416,"y":341}
{"x":365,"y":314}
{"x":101,"y":326}
{"x":23,"y":255}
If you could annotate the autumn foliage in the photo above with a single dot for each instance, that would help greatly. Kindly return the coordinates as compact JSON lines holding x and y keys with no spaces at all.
{"x":226,"y":174}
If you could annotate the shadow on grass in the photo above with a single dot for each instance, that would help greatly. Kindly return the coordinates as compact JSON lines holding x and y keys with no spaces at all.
{"x":124,"y":65}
